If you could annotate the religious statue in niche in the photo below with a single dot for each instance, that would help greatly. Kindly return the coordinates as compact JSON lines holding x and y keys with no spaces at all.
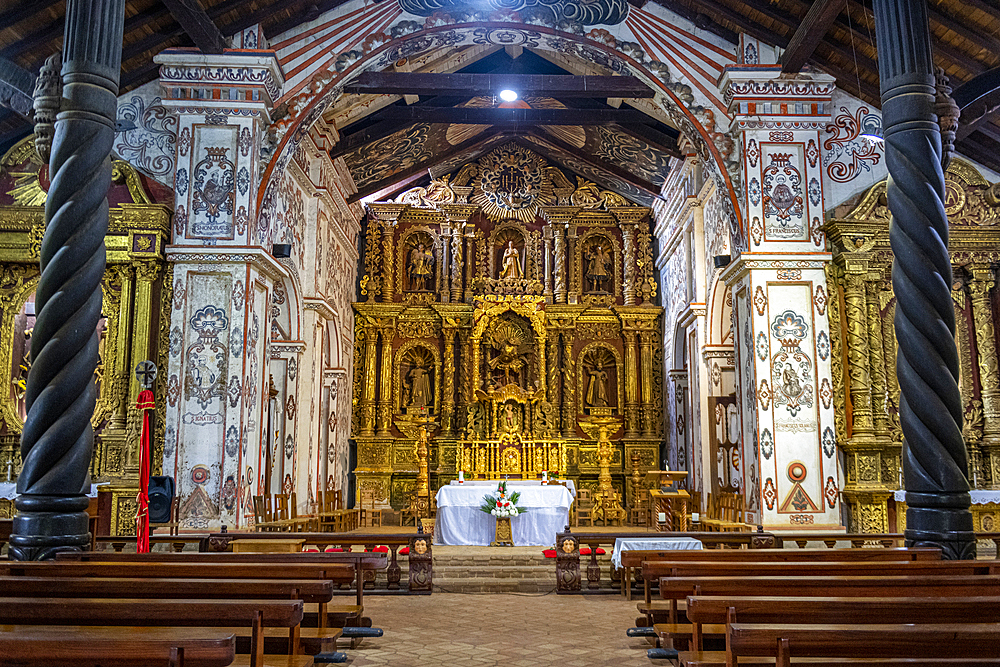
{"x":510,"y":268}
{"x":420,"y":268}
{"x":416,"y":375}
{"x":598,"y":266}
{"x":511,"y":343}
{"x":599,"y":382}
{"x":510,"y":420}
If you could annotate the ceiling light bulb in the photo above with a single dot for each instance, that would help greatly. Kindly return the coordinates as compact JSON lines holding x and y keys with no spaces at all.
{"x":508,"y":95}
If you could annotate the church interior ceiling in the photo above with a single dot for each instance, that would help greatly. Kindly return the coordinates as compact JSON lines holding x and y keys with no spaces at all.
{"x":963,"y":31}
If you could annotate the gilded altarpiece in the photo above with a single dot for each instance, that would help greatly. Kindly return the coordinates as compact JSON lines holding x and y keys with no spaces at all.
{"x":134,"y":324}
{"x":866,"y":391}
{"x":507,"y":308}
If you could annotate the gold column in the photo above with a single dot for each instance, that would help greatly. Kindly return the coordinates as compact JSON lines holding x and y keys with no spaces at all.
{"x":553,"y":370}
{"x":547,"y":241}
{"x":448,"y":385}
{"x":445,"y":272}
{"x":876,"y":352}
{"x":146,"y":274}
{"x":470,"y":261}
{"x":628,"y":281}
{"x":569,"y":380}
{"x":388,"y":214}
{"x":121,"y":370}
{"x":646,"y":348}
{"x":456,"y":262}
{"x":368,"y":396}
{"x":560,"y":279}
{"x":857,"y":353}
{"x":573,"y":292}
{"x":631,"y":385}
{"x":989,"y":377}
{"x":385,"y":385}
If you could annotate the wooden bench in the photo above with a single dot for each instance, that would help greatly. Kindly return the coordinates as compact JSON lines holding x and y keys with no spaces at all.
{"x":677,"y":588}
{"x":44,"y":646}
{"x":360,"y":561}
{"x":635,"y":559}
{"x":862,"y":642}
{"x":256,"y":620}
{"x":337,"y":573}
{"x":653,"y":571}
{"x":713,"y":612}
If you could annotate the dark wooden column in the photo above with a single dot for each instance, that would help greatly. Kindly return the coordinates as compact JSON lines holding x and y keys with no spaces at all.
{"x":935,"y":467}
{"x":58,"y":441}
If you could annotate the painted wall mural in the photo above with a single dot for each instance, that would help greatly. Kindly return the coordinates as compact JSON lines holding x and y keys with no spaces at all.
{"x":150,"y":146}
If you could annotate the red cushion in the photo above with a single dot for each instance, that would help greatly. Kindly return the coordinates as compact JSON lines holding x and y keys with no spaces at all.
{"x":549,"y":553}
{"x":310,"y":550}
{"x":405,"y":551}
{"x":382,"y":549}
{"x":585,"y":551}
{"x":333,"y":549}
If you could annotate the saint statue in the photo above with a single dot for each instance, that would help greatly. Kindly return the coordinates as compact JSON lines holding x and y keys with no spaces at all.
{"x":420,"y":387}
{"x":597,"y":387}
{"x":510,"y":268}
{"x":421,"y":268}
{"x":508,"y":419}
{"x":597,"y":268}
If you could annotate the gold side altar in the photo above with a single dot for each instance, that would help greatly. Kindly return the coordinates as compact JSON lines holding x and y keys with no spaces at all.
{"x":863,"y":344}
{"x":134,"y":325}
{"x":511,"y":305}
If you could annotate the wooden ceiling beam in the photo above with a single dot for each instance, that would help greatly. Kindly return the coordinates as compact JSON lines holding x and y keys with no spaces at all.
{"x":596,"y":162}
{"x":525,"y":118}
{"x":16,"y":88}
{"x":980,"y":38}
{"x":745,"y":24}
{"x":26,"y":10}
{"x":702,"y":21}
{"x":191,"y":16}
{"x":393,"y":179}
{"x":470,"y":85}
{"x":811,"y":31}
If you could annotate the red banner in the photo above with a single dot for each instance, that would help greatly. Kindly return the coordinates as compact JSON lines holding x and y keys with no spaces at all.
{"x":145,"y":403}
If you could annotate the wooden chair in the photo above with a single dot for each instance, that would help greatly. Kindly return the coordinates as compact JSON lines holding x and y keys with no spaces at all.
{"x":694,"y":506}
{"x":410,"y":511}
{"x":639,"y":512}
{"x":584,"y":505}
{"x":712,"y":520}
{"x":262,"y":514}
{"x":173,"y":524}
{"x":369,"y":515}
{"x":731,"y":514}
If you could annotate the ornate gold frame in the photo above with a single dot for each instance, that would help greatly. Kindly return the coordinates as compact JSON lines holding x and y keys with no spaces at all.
{"x":619,"y":372}
{"x":397,"y":381}
{"x":616,"y":250}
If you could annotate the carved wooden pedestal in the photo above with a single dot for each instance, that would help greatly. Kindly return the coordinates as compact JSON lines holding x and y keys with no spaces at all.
{"x":504,"y":534}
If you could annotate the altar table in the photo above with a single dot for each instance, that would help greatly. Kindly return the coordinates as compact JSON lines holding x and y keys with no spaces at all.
{"x":520,"y":482}
{"x":460,"y":521}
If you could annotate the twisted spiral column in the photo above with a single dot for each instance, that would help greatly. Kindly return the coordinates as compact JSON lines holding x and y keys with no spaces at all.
{"x":935,"y":466}
{"x":58,"y":441}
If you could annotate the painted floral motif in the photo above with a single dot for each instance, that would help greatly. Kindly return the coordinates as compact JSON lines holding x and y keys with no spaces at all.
{"x":584,"y":12}
{"x":847,"y":152}
{"x":829,"y":443}
{"x":149,"y":146}
{"x":791,"y":368}
{"x":812,"y":153}
{"x":825,"y":393}
{"x":232,"y":441}
{"x":235,"y":390}
{"x":823,"y":346}
{"x":815,"y":192}
{"x":766,"y":444}
{"x":753,"y":191}
{"x":764,"y":395}
{"x":228,"y":495}
{"x":181,"y":182}
{"x":757,"y":230}
{"x":819,"y":300}
{"x":832,"y":492}
{"x":759,"y":300}
{"x":243,"y":180}
{"x":770,"y":495}
{"x":753,"y":153}
{"x":762,"y":346}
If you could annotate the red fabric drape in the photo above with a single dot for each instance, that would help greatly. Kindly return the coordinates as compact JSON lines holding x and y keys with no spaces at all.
{"x":145,"y":403}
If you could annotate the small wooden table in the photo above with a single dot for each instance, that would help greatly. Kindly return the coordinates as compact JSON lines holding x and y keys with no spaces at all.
{"x":664,"y":502}
{"x":283,"y":546}
{"x":658,"y":478}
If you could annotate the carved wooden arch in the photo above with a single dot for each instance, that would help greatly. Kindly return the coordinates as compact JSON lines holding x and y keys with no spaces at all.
{"x":616,"y":251}
{"x":397,"y":381}
{"x":619,"y":370}
{"x":541,"y":37}
{"x":401,"y":254}
{"x":487,"y":311}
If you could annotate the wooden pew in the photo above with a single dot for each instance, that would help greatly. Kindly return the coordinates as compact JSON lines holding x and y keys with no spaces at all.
{"x":677,"y":588}
{"x":256,"y":618}
{"x":361,"y":561}
{"x":863,"y":642}
{"x":656,"y":570}
{"x":708,"y":615}
{"x":44,"y":646}
{"x":309,"y":591}
{"x":635,"y":559}
{"x":337,"y":573}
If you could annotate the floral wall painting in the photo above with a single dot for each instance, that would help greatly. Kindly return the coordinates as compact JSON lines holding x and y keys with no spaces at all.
{"x":598,"y":12}
{"x":213,"y":182}
{"x":150,"y":145}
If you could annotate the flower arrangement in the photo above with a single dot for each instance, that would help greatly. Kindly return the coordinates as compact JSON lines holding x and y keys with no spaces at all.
{"x":502,"y":505}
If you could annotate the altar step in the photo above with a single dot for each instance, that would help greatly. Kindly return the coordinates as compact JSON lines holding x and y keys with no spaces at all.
{"x":498,"y":573}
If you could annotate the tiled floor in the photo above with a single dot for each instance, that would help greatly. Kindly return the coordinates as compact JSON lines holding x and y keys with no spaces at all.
{"x":509,"y":630}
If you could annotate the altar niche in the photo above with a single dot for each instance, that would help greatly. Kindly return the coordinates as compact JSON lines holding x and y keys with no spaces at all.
{"x":510,"y":304}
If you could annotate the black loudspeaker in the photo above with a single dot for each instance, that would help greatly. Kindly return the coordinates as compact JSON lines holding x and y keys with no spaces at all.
{"x":280,"y":250}
{"x":161,"y":495}
{"x":722,"y":261}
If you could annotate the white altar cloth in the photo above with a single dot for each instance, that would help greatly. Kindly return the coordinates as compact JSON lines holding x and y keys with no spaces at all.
{"x":653,"y":544}
{"x":461,"y":522}
{"x":519,"y":482}
{"x":979,"y":496}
